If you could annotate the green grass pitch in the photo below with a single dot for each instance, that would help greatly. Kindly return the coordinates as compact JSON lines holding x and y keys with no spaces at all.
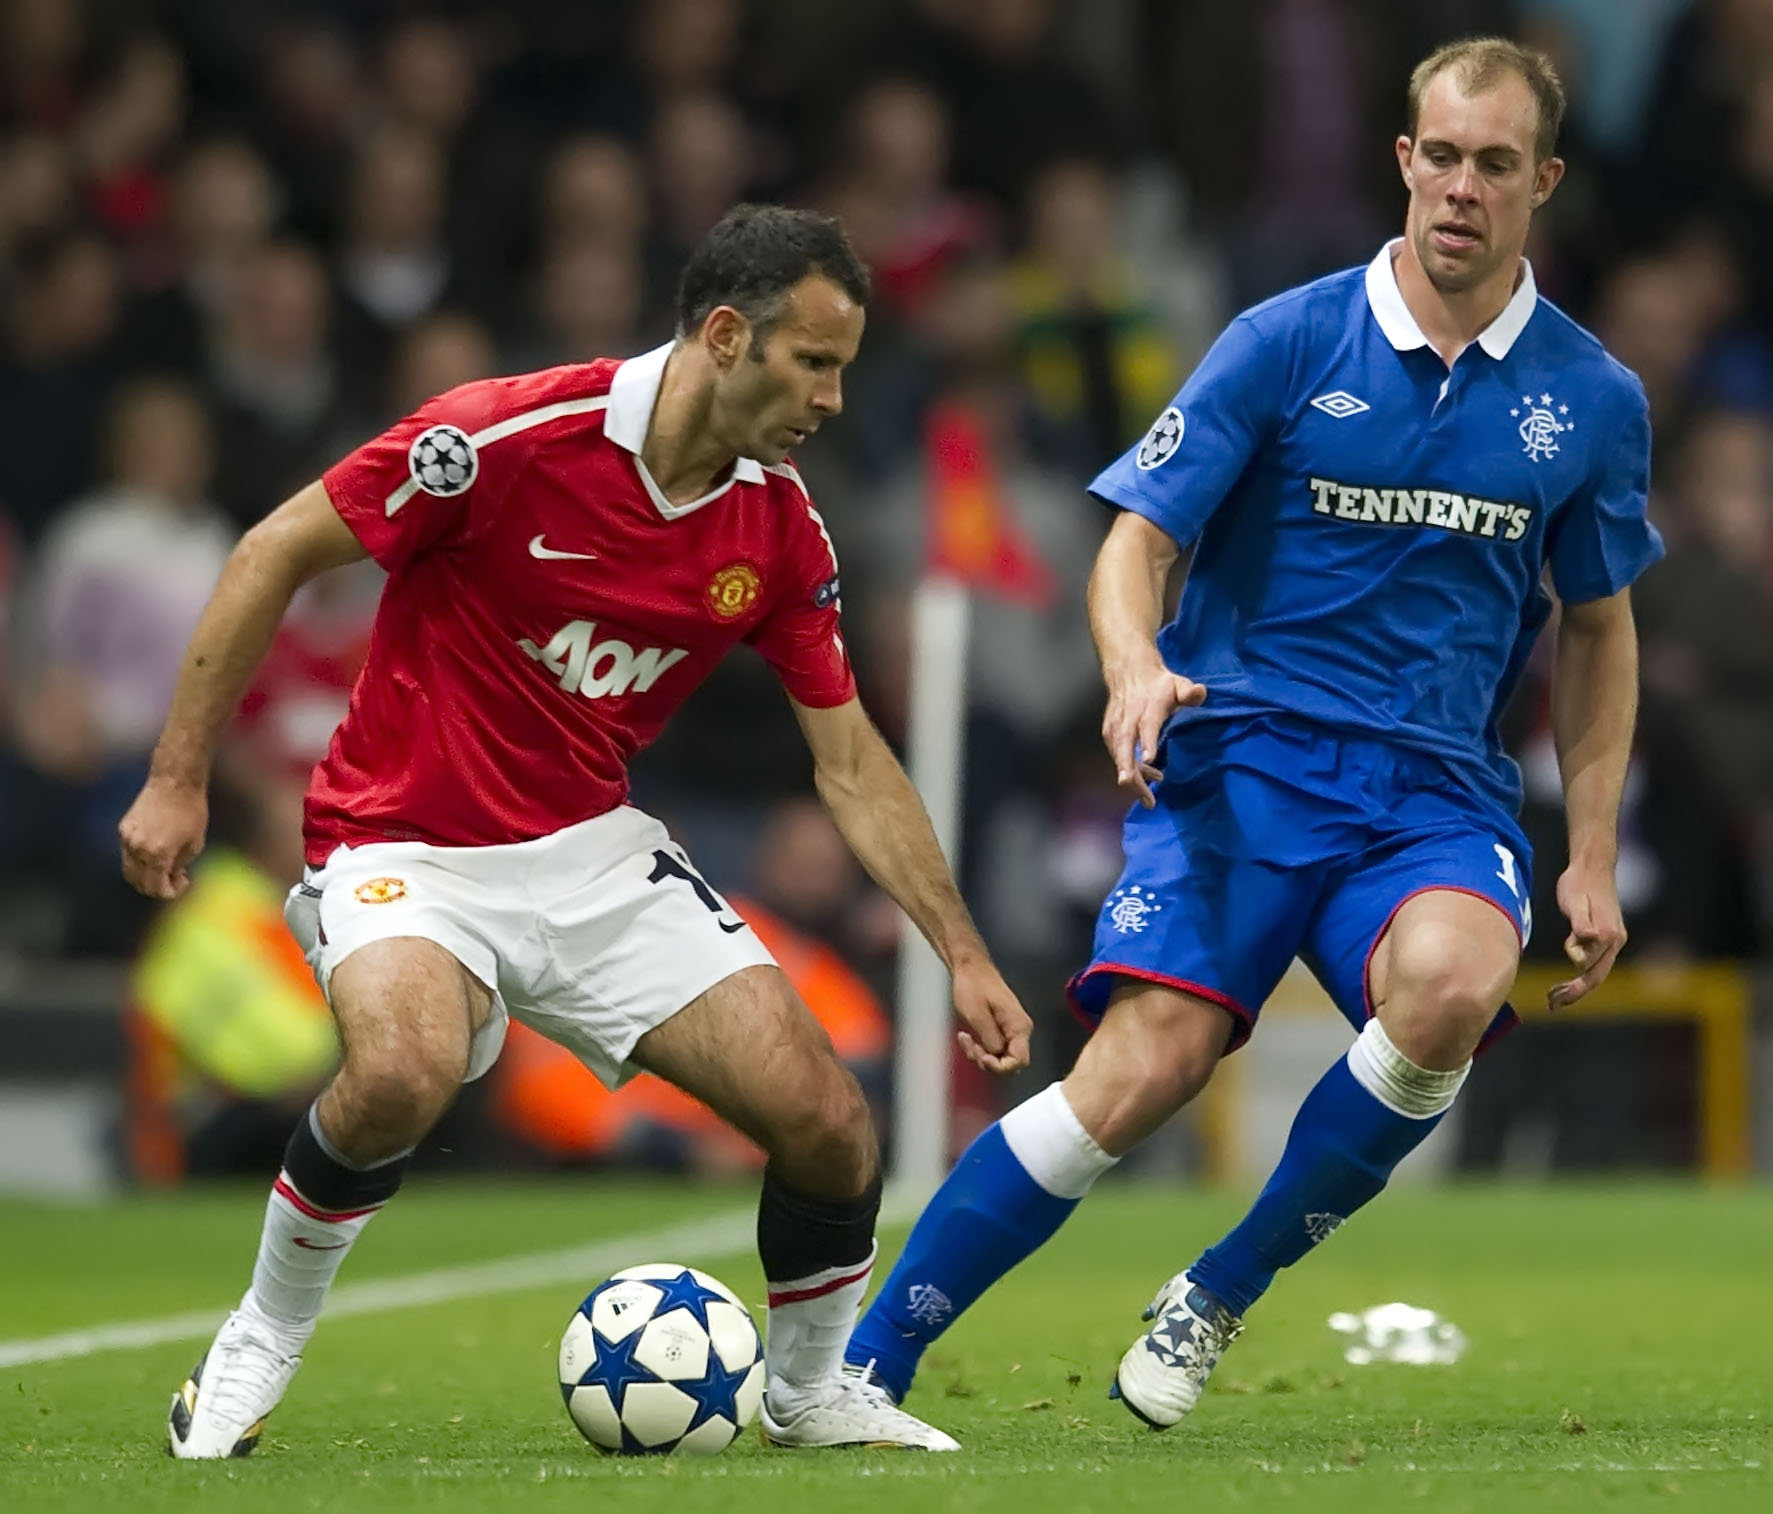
{"x":1621,"y":1358}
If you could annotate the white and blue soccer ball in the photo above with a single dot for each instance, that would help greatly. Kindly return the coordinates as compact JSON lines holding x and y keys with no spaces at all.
{"x":661,"y":1358}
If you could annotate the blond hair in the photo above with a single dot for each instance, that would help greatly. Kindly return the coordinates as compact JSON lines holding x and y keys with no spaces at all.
{"x":1479,"y":63}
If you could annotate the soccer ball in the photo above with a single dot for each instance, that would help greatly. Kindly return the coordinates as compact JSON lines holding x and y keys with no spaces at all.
{"x":443,"y":461}
{"x":661,"y":1358}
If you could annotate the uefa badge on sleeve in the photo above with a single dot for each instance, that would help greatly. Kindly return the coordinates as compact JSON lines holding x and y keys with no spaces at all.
{"x":442,"y":461}
{"x":1161,"y":441}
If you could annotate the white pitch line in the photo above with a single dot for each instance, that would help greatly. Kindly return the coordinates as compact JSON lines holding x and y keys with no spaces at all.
{"x":586,"y":1264}
{"x":719,"y":1235}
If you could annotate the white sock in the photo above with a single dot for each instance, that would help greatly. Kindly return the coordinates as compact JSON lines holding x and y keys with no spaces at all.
{"x":1397,"y":1082}
{"x":1047,"y":1138}
{"x":809,"y":1325}
{"x":300,"y":1251}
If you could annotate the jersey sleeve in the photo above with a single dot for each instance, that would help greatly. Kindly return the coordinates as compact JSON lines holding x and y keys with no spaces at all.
{"x":423,"y":482}
{"x":800,"y":637}
{"x":1602,"y":539}
{"x":1196,"y":450}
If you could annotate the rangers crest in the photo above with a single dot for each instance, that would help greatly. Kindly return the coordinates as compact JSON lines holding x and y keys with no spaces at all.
{"x":1542,"y":422}
{"x":928,"y":1304}
{"x":1129,"y":909}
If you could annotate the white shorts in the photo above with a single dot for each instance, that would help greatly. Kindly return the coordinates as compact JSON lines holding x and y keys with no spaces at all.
{"x":592,"y":935}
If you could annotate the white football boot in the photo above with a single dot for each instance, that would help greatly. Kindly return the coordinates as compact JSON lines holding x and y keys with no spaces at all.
{"x":221,"y":1409}
{"x":853,"y":1410}
{"x":1161,"y":1376}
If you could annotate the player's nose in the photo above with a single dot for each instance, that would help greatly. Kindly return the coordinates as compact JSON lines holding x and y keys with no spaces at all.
{"x":828,"y":398}
{"x":1464,"y":183}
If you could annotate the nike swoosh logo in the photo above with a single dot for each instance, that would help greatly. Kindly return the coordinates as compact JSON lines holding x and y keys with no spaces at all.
{"x":729,"y":929}
{"x":308,"y":1245}
{"x":548,"y":554}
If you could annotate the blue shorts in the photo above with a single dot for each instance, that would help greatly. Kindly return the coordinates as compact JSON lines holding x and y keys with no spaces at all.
{"x":1273,"y":840}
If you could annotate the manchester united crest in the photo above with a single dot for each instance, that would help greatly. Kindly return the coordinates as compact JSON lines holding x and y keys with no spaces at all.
{"x":380,"y":890}
{"x":733,"y":590}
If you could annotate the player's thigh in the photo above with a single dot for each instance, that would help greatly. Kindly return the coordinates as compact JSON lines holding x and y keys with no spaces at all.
{"x":751,"y":1051}
{"x":419,"y":928}
{"x":1426,"y":933}
{"x":1199,"y":908}
{"x":1154,"y":1050}
{"x":628,"y":936}
{"x":406,"y":1007}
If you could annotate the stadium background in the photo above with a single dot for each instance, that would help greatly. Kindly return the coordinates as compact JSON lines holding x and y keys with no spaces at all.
{"x":238,"y":238}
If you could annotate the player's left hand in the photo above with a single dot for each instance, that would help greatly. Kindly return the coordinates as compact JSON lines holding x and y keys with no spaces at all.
{"x":1589,"y":898}
{"x":997,"y":1027}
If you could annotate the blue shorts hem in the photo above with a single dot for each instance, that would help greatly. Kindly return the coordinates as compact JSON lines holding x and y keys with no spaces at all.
{"x":1088,"y":993}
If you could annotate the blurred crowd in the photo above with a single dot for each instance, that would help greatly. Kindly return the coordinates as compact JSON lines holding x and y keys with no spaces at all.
{"x":237,"y":237}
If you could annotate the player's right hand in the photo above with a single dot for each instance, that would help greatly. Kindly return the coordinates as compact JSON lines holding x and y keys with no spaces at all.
{"x":1139,"y":702}
{"x":997,"y":1027}
{"x":162,"y":835}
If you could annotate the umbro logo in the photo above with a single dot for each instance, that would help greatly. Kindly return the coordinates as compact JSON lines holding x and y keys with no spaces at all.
{"x":549,"y":554}
{"x":1339,"y":404}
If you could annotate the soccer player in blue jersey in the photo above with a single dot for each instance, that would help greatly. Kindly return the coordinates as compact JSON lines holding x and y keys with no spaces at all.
{"x":1376,"y":472}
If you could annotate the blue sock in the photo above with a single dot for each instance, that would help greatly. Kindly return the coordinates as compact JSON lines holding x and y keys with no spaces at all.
{"x":987,"y":1216}
{"x":1340,"y":1152}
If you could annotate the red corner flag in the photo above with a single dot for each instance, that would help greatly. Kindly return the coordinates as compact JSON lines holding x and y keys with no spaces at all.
{"x":974,"y":534}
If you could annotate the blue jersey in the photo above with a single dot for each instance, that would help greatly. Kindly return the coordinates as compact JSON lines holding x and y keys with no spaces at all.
{"x":1371,"y":530}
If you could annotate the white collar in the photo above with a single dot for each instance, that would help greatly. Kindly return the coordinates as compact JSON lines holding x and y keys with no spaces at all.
{"x":632,"y":394}
{"x":1400,"y":328}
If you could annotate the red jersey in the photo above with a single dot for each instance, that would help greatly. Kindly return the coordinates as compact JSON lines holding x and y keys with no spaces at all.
{"x":547,"y":608}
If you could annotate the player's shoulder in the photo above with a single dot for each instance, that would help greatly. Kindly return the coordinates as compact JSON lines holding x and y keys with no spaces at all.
{"x":1288,"y":327}
{"x":491,"y":408}
{"x":784,"y":482}
{"x":1565,"y":341}
{"x":1320,"y":307}
{"x":788,"y":494}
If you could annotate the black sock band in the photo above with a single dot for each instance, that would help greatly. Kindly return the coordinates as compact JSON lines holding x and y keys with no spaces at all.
{"x":799,"y":1235}
{"x":323,"y":1180}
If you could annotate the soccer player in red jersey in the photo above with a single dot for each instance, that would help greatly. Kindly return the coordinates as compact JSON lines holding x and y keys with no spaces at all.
{"x":569,"y":553}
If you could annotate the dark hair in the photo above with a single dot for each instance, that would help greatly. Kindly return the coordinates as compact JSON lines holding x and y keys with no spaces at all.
{"x":755,"y":254}
{"x":1479,"y":63}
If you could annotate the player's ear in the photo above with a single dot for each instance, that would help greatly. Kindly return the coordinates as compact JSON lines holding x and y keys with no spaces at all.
{"x":1404,"y":147}
{"x":1545,"y":179}
{"x":727,"y":336}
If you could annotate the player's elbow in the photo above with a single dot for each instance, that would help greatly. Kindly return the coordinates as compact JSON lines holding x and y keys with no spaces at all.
{"x":840,"y":785}
{"x":299,"y":540}
{"x":1598,"y":619}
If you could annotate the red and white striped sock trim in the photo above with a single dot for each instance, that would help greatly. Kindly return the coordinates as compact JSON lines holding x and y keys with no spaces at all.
{"x":803,"y":1290}
{"x":287,"y":1191}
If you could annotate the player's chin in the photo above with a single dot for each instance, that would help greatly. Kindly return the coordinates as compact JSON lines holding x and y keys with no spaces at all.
{"x":1453,"y":271}
{"x":773,"y":450}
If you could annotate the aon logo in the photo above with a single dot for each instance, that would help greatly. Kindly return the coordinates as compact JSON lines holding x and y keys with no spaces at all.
{"x":604,"y":667}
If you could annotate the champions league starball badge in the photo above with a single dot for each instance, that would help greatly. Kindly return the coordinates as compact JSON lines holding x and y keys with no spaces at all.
{"x":1162,"y":440}
{"x":443,"y":461}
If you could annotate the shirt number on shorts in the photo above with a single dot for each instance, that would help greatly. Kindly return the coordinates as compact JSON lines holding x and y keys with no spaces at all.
{"x":1509,"y":873}
{"x":666,"y":866}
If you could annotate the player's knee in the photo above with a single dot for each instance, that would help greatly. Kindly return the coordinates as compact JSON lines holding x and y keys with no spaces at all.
{"x":402,"y":1088}
{"x":1441,"y":990}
